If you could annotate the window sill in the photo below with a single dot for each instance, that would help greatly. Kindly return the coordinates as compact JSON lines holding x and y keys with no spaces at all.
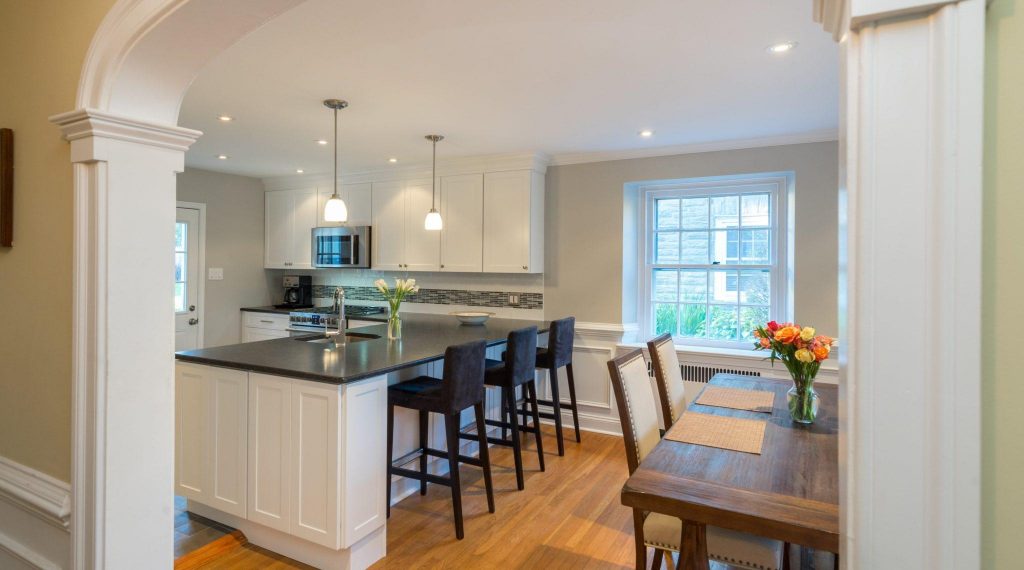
{"x":744,"y":353}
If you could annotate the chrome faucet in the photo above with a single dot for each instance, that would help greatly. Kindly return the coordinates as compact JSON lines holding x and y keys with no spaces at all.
{"x":339,"y":310}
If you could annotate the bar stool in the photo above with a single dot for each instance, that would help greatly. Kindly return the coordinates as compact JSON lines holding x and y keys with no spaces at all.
{"x":515,"y":370}
{"x":558,"y":354}
{"x":461,"y":387}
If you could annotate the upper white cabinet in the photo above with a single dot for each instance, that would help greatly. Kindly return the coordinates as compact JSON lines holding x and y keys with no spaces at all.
{"x":399,"y":241}
{"x":290,"y":217}
{"x":462,"y":208}
{"x":513,"y":232}
{"x":357,"y":199}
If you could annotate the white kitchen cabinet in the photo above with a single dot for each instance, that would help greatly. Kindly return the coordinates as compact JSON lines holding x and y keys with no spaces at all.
{"x":399,"y":241}
{"x":270,"y":437}
{"x":290,"y":216}
{"x":258,"y":326}
{"x":314,"y":462}
{"x":211,"y":436}
{"x":461,"y":205}
{"x":513,"y":227}
{"x":358,"y":200}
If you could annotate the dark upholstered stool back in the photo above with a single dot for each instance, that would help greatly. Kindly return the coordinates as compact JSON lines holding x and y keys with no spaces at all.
{"x":463,"y":381}
{"x":521,"y":355}
{"x":560,"y":341}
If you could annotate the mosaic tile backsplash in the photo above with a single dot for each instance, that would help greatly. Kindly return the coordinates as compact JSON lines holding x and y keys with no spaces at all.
{"x":439,"y":296}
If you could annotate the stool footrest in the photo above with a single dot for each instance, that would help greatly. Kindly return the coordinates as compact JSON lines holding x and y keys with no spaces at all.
{"x":549,"y":403}
{"x":428,"y":477}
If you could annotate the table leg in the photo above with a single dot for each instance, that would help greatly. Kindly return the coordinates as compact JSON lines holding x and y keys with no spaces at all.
{"x":693,"y":552}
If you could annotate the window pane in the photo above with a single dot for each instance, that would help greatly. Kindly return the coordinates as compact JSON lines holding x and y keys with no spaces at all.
{"x":695,"y":213}
{"x":179,"y":297}
{"x":668,"y":214}
{"x":722,"y":322}
{"x":665,"y":288}
{"x":666,"y":247}
{"x":692,"y":320}
{"x":180,"y":234}
{"x":755,"y":287}
{"x":756,"y":210}
{"x":693,"y":285}
{"x":694,"y":247}
{"x":179,"y":266}
{"x":754,"y":247}
{"x":751,"y":318}
{"x":725,"y":211}
{"x":720,"y":281}
{"x":725,"y":246}
{"x":665,"y":318}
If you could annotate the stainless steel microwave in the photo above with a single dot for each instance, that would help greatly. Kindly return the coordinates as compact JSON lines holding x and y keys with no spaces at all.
{"x":344,"y":246}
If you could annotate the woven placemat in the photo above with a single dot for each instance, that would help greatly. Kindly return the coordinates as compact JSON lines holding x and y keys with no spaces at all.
{"x":737,"y":399}
{"x":736,"y":434}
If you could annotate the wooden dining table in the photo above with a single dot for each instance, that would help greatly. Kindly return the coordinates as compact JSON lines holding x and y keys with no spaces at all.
{"x":789,"y":492}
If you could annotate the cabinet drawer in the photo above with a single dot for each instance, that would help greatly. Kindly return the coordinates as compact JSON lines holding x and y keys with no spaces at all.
{"x":264,"y":320}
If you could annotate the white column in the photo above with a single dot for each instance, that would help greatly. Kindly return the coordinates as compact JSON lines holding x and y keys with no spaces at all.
{"x":124,"y":337}
{"x":910,"y":282}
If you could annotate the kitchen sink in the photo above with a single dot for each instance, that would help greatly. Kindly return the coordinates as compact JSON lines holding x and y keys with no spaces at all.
{"x":348,"y":338}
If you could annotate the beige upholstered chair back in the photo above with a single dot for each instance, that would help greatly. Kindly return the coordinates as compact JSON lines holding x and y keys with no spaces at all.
{"x":668,"y":377}
{"x":638,"y":410}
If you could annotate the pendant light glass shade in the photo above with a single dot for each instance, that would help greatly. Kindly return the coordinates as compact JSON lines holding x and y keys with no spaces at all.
{"x":335,"y":209}
{"x":433,"y":220}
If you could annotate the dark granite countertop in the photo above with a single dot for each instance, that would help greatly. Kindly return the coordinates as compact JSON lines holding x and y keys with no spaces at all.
{"x":424,"y":339}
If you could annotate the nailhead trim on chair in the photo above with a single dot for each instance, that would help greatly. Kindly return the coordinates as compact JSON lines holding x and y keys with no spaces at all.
{"x":632,"y":423}
{"x":726,"y":559}
{"x":663,"y":383}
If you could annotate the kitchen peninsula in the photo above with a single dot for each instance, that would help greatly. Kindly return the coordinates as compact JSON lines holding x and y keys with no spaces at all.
{"x":285,"y":439}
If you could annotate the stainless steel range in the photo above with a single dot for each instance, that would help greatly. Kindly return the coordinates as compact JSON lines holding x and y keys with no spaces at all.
{"x":316,"y":319}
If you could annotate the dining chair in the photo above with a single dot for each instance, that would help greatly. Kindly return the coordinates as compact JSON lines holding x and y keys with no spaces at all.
{"x":639,"y":418}
{"x":669,"y":378}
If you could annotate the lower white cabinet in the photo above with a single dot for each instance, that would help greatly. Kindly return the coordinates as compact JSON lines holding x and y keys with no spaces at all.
{"x":258,"y":326}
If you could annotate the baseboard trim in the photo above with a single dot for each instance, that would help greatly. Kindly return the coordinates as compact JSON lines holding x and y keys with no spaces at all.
{"x":35,"y":511}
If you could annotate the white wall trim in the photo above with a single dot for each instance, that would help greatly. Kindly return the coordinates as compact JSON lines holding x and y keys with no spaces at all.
{"x":85,"y":123}
{"x":35,"y":512}
{"x":38,"y":493}
{"x":561,"y":159}
{"x":201,"y":313}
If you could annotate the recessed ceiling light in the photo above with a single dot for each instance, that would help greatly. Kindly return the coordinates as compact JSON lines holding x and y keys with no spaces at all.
{"x":321,"y":142}
{"x":299,"y":171}
{"x":646,"y":133}
{"x":781,"y":47}
{"x":225,"y":118}
{"x":222,"y":156}
{"x":392,"y":160}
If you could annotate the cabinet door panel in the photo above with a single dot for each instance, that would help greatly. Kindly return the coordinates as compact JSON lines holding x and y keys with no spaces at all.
{"x":191,"y":422}
{"x":388,"y":225}
{"x":506,"y":222}
{"x":364,"y":415}
{"x":314,"y":461}
{"x":422,"y":247}
{"x":253,"y":334}
{"x":462,"y":209}
{"x":278,"y":229}
{"x":304,"y":217}
{"x":229,"y":404}
{"x":269,"y":451}
{"x":357,"y":199}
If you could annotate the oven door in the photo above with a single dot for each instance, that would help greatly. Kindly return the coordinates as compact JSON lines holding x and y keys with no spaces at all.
{"x":341,"y":247}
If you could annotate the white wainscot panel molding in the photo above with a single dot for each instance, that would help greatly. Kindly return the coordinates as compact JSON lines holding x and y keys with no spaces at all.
{"x":35,"y":510}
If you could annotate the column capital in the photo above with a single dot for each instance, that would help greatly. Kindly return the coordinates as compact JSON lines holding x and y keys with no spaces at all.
{"x":81,"y":125}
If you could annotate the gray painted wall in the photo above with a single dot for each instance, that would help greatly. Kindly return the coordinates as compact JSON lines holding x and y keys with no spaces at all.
{"x":588,"y":219}
{"x":234,"y":241}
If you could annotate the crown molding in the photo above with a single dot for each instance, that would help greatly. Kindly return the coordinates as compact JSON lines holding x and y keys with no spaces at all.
{"x":85,"y":123}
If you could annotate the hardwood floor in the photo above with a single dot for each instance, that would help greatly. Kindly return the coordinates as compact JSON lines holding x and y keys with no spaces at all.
{"x":568,"y":517}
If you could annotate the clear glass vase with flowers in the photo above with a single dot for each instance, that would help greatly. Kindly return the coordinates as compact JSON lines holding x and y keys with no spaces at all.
{"x":394,"y":297}
{"x":802,"y":351}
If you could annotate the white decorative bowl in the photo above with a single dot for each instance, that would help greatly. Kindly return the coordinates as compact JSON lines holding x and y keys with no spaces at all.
{"x":472,"y":317}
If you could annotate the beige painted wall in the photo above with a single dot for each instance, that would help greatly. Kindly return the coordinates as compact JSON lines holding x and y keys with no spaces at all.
{"x":234,"y":241}
{"x":585,"y":227}
{"x":42,"y":47}
{"x":1002,"y":297}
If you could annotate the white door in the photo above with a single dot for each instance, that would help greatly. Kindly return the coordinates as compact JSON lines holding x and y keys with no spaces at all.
{"x":461,"y":202}
{"x":388,"y":226}
{"x":186,"y":279}
{"x":422,"y":247}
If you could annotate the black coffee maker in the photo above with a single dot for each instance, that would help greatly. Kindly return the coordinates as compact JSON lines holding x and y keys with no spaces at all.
{"x":298,"y":292}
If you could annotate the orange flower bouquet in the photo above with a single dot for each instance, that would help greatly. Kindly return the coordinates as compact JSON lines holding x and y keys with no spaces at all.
{"x":802,"y":351}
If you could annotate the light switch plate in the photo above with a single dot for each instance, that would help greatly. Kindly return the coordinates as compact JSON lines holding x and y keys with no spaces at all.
{"x":215,"y":273}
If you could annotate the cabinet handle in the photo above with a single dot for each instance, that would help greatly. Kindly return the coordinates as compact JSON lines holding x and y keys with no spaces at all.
{"x":524,"y":267}
{"x":266,"y":321}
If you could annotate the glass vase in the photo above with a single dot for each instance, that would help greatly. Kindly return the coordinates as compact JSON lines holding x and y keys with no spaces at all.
{"x":394,"y":326}
{"x":803,"y":402}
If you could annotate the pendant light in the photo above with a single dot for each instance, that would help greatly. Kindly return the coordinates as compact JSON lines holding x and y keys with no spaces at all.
{"x":335,"y":209}
{"x":433,"y":219}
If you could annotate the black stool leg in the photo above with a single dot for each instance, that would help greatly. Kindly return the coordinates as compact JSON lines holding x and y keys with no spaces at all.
{"x":424,"y":415}
{"x":556,"y":408}
{"x":451,"y":428}
{"x":506,"y":415}
{"x":526,"y":412}
{"x":391,"y":445}
{"x":572,"y":400}
{"x":509,"y":394}
{"x":532,"y":387}
{"x":485,"y":454}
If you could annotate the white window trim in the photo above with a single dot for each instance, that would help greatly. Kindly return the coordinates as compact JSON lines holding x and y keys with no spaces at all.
{"x":782,"y":234}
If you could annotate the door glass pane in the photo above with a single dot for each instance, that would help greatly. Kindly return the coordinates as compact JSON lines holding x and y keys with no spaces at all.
{"x":179,"y":297}
{"x":666,"y":247}
{"x":692,"y":321}
{"x":695,"y":213}
{"x":754,"y":247}
{"x":668,"y":214}
{"x":665,"y":285}
{"x":694,"y":248}
{"x":693,"y":285}
{"x":665,"y":318}
{"x":722,"y":322}
{"x":725,"y":211}
{"x":755,"y":288}
{"x":756,"y":210}
{"x":751,"y":318}
{"x":180,"y":236}
{"x":179,"y":266}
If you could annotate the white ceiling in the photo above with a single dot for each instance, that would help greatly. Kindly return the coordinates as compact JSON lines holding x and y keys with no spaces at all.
{"x":560,"y":77}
